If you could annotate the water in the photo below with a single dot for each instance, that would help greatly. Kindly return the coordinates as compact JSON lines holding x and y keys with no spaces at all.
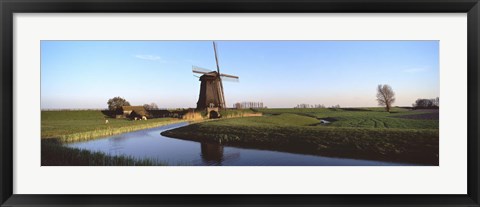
{"x":150,"y":144}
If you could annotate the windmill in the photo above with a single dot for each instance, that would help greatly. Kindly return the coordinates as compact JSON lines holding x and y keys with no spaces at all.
{"x":211,"y":87}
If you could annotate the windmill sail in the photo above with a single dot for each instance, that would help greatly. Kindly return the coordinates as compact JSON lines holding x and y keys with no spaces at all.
{"x":216,"y":57}
{"x":200,"y":70}
{"x":221,"y":95}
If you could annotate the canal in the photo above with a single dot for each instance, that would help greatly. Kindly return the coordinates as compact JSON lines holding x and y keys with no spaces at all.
{"x":150,"y":144}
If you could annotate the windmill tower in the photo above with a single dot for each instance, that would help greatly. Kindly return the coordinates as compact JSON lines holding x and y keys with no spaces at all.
{"x":211,"y":86}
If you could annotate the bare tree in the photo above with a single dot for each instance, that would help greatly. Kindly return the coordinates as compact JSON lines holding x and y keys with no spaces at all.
{"x":385,"y":96}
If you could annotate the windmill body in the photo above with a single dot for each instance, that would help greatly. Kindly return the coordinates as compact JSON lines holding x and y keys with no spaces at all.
{"x":211,"y":86}
{"x":211,"y":93}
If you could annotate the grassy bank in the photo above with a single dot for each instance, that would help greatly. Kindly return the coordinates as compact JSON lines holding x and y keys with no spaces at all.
{"x":71,"y":126}
{"x":55,"y":154}
{"x":232,"y":113}
{"x":359,"y":133}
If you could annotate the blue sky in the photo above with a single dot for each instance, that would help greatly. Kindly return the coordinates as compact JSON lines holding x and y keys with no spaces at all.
{"x":85,"y":74}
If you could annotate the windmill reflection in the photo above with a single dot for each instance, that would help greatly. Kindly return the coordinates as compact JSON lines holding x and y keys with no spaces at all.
{"x":212,"y":153}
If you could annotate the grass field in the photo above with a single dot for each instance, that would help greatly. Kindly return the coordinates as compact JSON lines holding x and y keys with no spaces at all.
{"x":361,"y":133}
{"x":364,"y":117}
{"x":90,"y":124}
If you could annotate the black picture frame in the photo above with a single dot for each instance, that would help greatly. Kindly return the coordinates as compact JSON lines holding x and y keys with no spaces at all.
{"x":9,"y":7}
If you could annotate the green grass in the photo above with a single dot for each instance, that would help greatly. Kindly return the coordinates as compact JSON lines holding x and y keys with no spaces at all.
{"x":235,"y":112}
{"x":362,"y":117}
{"x":272,"y":121}
{"x":69,"y":126}
{"x":361,"y":134}
{"x":55,"y":154}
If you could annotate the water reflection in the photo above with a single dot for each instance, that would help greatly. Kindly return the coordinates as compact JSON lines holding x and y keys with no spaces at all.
{"x":212,"y":153}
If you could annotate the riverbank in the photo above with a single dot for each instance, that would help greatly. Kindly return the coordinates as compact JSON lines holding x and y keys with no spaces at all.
{"x":407,"y":141}
{"x":73,"y":126}
{"x":110,"y":131}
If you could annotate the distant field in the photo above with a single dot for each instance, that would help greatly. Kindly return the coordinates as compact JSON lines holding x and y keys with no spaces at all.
{"x":368,"y":133}
{"x":365,"y":117}
{"x":87,"y":124}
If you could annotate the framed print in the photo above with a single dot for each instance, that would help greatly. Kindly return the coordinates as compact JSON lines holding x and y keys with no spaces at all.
{"x":239,"y":103}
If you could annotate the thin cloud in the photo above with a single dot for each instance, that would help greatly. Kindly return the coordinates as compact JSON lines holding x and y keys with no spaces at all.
{"x":414,"y":70}
{"x":150,"y":57}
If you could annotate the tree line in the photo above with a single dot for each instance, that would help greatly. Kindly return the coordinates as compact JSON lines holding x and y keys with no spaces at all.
{"x":117,"y":102}
{"x":421,"y":103}
{"x":247,"y":105}
{"x":318,"y":106}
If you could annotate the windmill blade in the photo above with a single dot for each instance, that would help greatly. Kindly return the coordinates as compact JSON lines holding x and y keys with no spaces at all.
{"x":230,"y":79}
{"x":222,"y":94}
{"x":216,"y":57}
{"x":196,"y":76}
{"x":200,"y":70}
{"x":223,"y":75}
